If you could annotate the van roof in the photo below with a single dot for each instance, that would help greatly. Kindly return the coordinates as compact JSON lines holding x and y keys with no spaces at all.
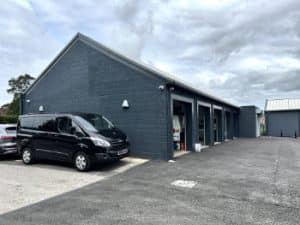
{"x":58,"y":114}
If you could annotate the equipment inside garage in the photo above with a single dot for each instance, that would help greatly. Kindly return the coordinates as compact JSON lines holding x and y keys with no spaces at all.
{"x":182,"y":127}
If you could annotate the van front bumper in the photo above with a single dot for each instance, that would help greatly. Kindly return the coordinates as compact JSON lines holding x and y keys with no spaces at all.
{"x":112,"y":154}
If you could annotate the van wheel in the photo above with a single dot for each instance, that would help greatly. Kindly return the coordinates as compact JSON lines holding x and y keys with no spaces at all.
{"x":27,"y":156}
{"x":82,"y":161}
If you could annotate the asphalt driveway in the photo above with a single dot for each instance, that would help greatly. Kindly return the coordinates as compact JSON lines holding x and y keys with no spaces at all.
{"x":246,"y":181}
{"x":21,"y":185}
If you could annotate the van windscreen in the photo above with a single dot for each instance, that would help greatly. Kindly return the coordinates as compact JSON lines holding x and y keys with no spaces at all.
{"x":94,"y":122}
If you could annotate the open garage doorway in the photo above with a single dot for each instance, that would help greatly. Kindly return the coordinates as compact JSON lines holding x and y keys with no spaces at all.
{"x":227,"y":130}
{"x":217,"y":125}
{"x":204,"y":119}
{"x":182,"y":125}
{"x":235,"y":125}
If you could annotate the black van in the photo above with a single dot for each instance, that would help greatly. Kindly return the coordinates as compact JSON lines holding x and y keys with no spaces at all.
{"x":81,"y":138}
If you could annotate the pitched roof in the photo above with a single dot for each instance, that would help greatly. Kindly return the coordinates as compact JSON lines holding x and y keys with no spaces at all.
{"x":286,"y":104}
{"x":94,"y":44}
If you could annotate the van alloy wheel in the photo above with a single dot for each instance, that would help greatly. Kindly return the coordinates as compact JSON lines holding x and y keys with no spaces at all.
{"x":82,"y":161}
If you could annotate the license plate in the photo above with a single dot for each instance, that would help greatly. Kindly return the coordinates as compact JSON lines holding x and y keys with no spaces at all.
{"x":123,"y":151}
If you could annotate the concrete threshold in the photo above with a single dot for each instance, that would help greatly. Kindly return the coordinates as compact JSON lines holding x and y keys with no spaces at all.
{"x":180,"y":153}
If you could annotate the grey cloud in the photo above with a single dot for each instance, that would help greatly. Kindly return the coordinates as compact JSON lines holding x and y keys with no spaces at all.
{"x":259,"y":86}
{"x":24,"y":45}
{"x":190,"y":40}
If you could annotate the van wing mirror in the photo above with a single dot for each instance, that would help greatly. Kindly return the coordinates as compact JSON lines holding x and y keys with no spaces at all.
{"x":75,"y":132}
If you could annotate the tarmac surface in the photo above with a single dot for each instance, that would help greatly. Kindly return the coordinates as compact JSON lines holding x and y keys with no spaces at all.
{"x":22,"y":185}
{"x":244,"y":181}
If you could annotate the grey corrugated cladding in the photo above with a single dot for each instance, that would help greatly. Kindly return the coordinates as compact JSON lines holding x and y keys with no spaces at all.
{"x":282,"y":117}
{"x":283,"y":123}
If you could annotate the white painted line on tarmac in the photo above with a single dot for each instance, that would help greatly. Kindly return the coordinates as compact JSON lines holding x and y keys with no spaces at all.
{"x":184,"y":183}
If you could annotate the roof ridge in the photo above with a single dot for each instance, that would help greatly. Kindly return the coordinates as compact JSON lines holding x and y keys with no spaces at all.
{"x":157,"y":71}
{"x":282,"y":104}
{"x":284,"y":98}
{"x":138,"y":63}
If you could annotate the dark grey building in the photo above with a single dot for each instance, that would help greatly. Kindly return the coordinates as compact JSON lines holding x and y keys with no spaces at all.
{"x":282,"y":117}
{"x":250,"y":121}
{"x":163,"y":113}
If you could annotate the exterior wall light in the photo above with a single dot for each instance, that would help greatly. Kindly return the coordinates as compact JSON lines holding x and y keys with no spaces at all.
{"x":172,"y":88}
{"x":41,"y":108}
{"x":161,"y":87}
{"x":125,"y":104}
{"x":27,"y":100}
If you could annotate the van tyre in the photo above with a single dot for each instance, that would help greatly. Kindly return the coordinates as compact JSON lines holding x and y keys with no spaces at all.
{"x":82,"y":161}
{"x":28,"y":156}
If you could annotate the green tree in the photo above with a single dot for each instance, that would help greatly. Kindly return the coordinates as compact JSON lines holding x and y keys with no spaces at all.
{"x":16,"y":87}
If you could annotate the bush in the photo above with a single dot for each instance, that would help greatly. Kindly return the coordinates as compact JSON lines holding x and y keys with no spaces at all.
{"x":14,"y":106}
{"x":8,"y":118}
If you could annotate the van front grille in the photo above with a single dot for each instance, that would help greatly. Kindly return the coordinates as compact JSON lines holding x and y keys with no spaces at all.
{"x":118,"y":145}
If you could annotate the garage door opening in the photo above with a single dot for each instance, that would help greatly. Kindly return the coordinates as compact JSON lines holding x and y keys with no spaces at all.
{"x":227,"y":130}
{"x":182,"y":126}
{"x":204,"y":125}
{"x":235,"y":125}
{"x":217,"y":126}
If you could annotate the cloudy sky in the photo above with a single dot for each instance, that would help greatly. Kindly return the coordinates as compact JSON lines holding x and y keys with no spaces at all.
{"x":241,"y":50}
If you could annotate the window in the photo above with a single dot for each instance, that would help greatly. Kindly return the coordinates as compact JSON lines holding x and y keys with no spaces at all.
{"x":35,"y":123}
{"x":30,"y":122}
{"x":11,"y":130}
{"x":26,"y":123}
{"x":48,"y":124}
{"x":41,"y":123}
{"x":64,"y":125}
{"x":94,"y":122}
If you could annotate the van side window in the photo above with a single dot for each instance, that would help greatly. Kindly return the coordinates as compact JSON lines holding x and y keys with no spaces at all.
{"x":35,"y":123}
{"x":64,"y":125}
{"x":26,"y":123}
{"x":48,"y":124}
{"x":40,"y":123}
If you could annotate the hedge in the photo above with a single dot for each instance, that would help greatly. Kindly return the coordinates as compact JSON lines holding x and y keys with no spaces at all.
{"x":8,"y":118}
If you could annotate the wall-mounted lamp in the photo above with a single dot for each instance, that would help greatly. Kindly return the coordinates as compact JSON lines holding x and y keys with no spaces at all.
{"x":125,"y":104}
{"x":27,"y":100}
{"x":172,"y":88}
{"x":41,"y":108}
{"x":161,"y":87}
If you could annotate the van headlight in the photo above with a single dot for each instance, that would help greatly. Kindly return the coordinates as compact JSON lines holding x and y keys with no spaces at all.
{"x":100,"y":142}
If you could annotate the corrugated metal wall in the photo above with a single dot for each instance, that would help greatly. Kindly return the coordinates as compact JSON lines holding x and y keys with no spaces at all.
{"x":285,"y":123}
